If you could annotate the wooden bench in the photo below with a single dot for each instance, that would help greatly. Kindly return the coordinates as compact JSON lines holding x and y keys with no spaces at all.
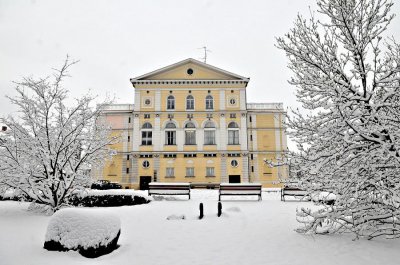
{"x":204,"y":185}
{"x":162,"y":188}
{"x":293,"y":191}
{"x":240,"y":189}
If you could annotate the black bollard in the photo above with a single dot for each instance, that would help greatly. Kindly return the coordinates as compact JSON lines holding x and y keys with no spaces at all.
{"x":219,"y":209}
{"x":201,"y":211}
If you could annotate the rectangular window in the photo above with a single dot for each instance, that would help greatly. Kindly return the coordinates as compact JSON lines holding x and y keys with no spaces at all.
{"x":169,"y":155}
{"x":146,"y":156}
{"x":233,"y":137}
{"x":251,"y":137}
{"x":190,"y":172}
{"x":127,"y":170}
{"x":233,"y":155}
{"x":250,"y":118}
{"x":233,"y":115}
{"x":147,"y":116}
{"x":190,"y":104}
{"x":189,"y":155}
{"x":147,"y":137}
{"x":129,"y":120}
{"x":129,"y":138}
{"x":170,"y":172}
{"x":210,"y":155}
{"x":190,"y":137}
{"x":209,"y":137}
{"x":170,"y":138}
{"x":251,"y":156}
{"x":210,"y":172}
{"x":252,"y":168}
{"x":127,"y":157}
{"x":209,"y":104}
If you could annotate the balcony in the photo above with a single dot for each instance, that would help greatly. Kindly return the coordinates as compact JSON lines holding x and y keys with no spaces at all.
{"x":117,"y":107}
{"x":265,"y":106}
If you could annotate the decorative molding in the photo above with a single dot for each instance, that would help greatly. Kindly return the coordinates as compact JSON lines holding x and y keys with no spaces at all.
{"x":186,"y":82}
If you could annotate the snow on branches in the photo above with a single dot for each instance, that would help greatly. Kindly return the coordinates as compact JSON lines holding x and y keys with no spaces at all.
{"x":348,"y":135}
{"x":50,"y":147}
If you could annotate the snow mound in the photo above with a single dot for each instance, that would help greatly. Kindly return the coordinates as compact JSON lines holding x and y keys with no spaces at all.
{"x":233,"y":209}
{"x":176,"y":217}
{"x":126,"y":192}
{"x":92,"y":232}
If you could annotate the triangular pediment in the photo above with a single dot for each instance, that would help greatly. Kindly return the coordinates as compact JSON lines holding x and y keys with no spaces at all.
{"x":190,"y":69}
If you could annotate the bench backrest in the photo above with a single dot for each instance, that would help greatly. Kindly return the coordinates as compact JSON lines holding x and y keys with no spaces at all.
{"x":251,"y":186}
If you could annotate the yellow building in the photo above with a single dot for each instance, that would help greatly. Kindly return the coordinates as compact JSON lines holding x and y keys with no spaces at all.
{"x":190,"y":122}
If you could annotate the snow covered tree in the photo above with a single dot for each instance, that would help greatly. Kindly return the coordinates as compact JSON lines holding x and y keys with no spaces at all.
{"x":49,"y":147}
{"x":347,"y":76}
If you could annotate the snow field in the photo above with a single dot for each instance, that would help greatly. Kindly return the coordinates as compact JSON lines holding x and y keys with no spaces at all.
{"x":248,"y":232}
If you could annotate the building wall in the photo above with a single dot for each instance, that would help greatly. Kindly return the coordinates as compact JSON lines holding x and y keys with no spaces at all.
{"x":259,"y":139}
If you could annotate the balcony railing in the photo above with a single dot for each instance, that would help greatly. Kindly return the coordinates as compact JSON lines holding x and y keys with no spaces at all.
{"x":118,"y":107}
{"x":262,"y":106}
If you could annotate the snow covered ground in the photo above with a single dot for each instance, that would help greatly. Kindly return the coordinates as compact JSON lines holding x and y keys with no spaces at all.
{"x":248,"y":232}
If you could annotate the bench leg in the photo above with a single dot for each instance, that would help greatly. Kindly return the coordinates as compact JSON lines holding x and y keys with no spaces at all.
{"x":219,"y":197}
{"x":260,"y":197}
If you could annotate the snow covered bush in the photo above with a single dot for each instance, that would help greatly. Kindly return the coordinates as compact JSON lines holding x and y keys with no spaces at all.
{"x":348,"y":134}
{"x":50,"y":147}
{"x":107,"y":198}
{"x":91,"y":232}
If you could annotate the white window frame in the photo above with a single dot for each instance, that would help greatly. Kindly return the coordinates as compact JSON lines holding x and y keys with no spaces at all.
{"x":146,"y":139}
{"x":190,"y":172}
{"x":168,"y":131}
{"x":192,"y":103}
{"x":208,"y":130}
{"x":172,"y":99}
{"x":233,"y":134}
{"x":170,"y":172}
{"x":209,"y":100}
{"x":210,"y":171}
{"x":188,"y":131}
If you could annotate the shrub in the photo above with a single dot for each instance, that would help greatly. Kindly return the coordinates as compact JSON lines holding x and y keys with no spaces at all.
{"x":91,"y":232}
{"x":108,"y":198}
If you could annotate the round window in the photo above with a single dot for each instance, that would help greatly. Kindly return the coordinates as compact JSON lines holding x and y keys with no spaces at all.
{"x":232,"y":101}
{"x":189,"y":71}
{"x":146,"y":164}
{"x":147,"y":102}
{"x":234,"y":163}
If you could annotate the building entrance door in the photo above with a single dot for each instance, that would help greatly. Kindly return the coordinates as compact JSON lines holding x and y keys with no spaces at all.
{"x":234,"y":178}
{"x":144,"y":182}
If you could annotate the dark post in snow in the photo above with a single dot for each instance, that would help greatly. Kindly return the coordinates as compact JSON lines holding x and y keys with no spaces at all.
{"x":201,"y":211}
{"x":219,"y":209}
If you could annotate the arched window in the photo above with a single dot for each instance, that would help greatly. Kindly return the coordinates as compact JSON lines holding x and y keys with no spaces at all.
{"x":147,"y":134}
{"x":209,"y":102}
{"x":190,"y":133}
{"x":233,"y":133}
{"x":170,"y":134}
{"x":170,"y":102}
{"x":190,"y":102}
{"x":209,"y":133}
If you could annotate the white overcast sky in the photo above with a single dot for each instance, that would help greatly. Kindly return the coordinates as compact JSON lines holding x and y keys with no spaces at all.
{"x":117,"y":40}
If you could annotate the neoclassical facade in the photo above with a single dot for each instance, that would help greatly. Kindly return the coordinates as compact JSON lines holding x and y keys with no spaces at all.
{"x":190,"y":122}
